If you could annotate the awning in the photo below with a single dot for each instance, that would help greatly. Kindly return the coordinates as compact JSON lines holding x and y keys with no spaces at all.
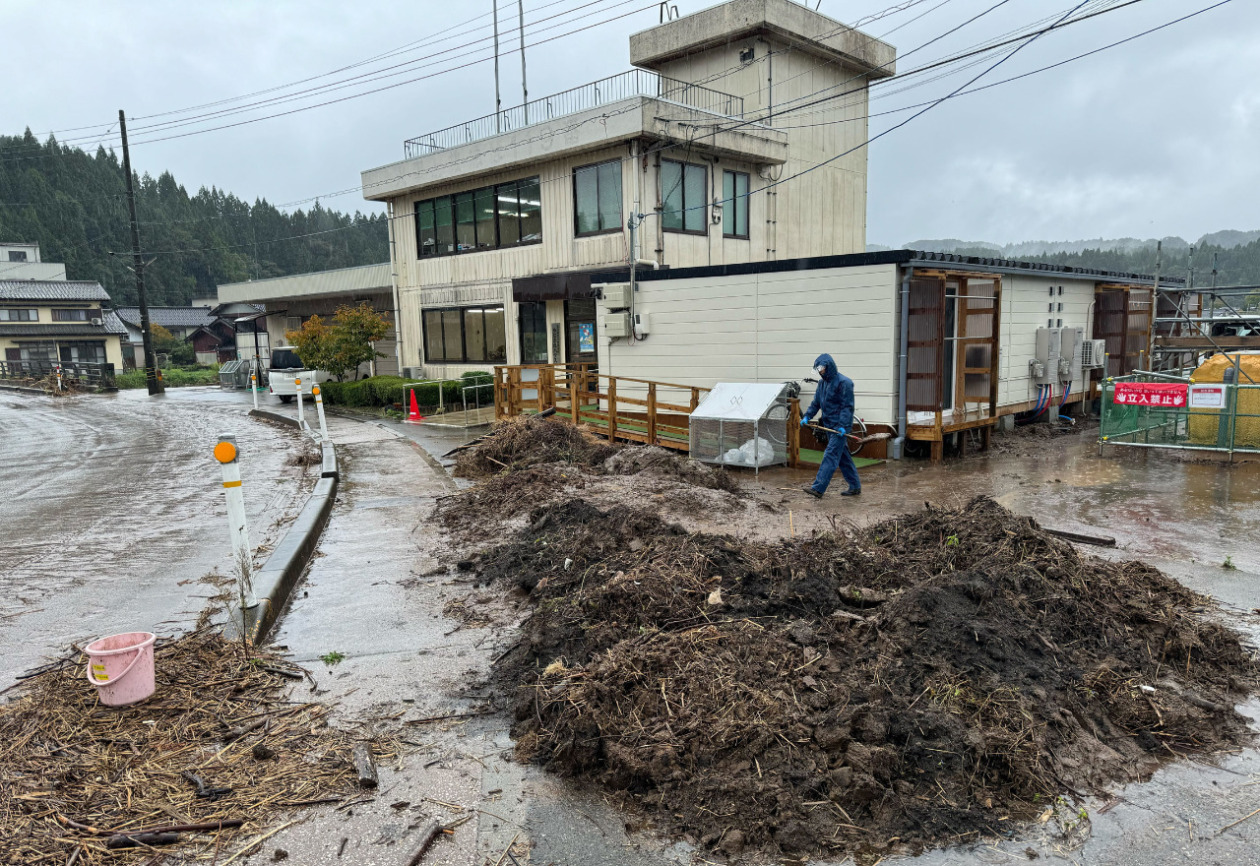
{"x":553,"y":287}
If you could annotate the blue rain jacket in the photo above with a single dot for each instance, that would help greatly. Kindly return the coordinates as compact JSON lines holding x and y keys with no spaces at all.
{"x":832,"y":405}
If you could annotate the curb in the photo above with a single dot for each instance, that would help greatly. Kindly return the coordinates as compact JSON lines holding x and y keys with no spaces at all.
{"x":275,"y":580}
{"x":22,"y":389}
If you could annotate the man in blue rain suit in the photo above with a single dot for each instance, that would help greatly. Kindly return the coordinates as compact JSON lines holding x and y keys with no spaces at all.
{"x":833,"y":403}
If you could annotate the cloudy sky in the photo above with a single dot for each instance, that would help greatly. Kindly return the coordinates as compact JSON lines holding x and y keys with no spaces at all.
{"x":1160,"y":136}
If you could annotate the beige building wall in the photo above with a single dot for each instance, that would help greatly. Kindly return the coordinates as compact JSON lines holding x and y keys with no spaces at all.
{"x":1025,"y":308}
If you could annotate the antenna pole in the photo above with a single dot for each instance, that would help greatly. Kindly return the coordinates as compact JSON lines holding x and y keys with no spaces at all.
{"x":520,"y":10}
{"x":497,"y":101}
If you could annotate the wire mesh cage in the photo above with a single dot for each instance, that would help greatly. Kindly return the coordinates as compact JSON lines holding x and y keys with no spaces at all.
{"x":741,"y":424}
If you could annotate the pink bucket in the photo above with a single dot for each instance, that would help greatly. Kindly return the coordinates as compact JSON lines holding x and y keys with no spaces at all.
{"x":121,"y":667}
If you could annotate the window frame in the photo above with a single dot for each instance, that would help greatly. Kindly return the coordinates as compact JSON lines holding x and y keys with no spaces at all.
{"x":599,"y":216}
{"x":450,"y":208}
{"x":5,"y":314}
{"x":82,"y":314}
{"x":686,"y":207}
{"x":427,"y":332}
{"x":734,"y":201}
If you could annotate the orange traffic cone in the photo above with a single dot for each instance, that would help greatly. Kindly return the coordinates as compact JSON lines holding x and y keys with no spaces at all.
{"x":414,"y":416}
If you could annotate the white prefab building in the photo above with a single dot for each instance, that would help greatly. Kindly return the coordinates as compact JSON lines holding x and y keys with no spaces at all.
{"x":937,"y":345}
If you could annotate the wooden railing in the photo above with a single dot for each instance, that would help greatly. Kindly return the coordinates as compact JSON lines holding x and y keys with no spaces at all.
{"x":619,"y":407}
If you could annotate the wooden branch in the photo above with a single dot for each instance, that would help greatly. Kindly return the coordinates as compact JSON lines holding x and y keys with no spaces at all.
{"x":365,"y":766}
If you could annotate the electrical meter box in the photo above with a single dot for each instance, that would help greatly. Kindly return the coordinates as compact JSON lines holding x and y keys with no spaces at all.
{"x":617,"y":296}
{"x":615,"y":325}
{"x":1049,"y":344}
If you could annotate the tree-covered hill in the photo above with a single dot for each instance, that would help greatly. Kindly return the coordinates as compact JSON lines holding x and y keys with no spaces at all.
{"x":73,"y":204}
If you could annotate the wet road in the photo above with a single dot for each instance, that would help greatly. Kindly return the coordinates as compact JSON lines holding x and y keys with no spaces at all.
{"x":112,"y":510}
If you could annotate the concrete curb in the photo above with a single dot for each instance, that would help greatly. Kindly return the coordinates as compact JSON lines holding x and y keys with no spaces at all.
{"x":275,"y":581}
{"x":22,"y":389}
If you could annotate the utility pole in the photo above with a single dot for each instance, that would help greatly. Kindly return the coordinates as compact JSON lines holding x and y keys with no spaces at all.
{"x":150,"y":363}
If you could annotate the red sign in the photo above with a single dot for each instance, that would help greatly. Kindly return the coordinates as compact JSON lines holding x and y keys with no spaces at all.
{"x":1162,"y":395}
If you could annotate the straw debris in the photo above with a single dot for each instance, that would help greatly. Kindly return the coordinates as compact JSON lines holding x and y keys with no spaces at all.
{"x":218,"y":743}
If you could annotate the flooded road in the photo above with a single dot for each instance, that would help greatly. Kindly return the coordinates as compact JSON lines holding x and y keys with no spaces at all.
{"x":111,"y":509}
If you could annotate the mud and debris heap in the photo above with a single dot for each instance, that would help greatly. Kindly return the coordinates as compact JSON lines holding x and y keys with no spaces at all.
{"x":930,"y":679}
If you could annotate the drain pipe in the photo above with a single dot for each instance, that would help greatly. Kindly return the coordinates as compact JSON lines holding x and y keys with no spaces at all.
{"x":898,"y":444}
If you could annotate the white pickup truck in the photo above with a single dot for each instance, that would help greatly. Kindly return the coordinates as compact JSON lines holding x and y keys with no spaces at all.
{"x":286,"y":368}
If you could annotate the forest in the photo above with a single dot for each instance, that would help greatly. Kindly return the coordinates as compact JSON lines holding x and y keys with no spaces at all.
{"x":74,"y":205}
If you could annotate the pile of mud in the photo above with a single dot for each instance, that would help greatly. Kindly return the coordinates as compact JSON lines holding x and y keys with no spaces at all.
{"x":528,"y":461}
{"x":930,"y":679}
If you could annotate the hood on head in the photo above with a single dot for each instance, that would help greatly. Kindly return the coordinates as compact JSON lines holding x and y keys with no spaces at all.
{"x":828,"y":365}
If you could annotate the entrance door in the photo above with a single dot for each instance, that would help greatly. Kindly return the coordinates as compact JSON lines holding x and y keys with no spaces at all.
{"x":533,"y":320}
{"x":579,"y":324}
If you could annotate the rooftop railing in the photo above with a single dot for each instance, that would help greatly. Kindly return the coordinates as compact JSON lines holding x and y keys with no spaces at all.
{"x":636,"y":82}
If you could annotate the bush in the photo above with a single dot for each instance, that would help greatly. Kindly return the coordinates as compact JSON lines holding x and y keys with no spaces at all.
{"x":175,"y":377}
{"x":385,"y":391}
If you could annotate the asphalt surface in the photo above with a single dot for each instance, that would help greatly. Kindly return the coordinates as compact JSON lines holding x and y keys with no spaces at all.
{"x":112,"y":510}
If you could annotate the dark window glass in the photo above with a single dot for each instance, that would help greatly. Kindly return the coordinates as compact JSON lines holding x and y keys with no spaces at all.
{"x":586,"y":199}
{"x":17,"y":256}
{"x":452,"y":334}
{"x":508,"y":198}
{"x":533,"y":333}
{"x":426,"y":235}
{"x":486,"y":211}
{"x":82,"y":353}
{"x":481,"y":219}
{"x":465,"y":222}
{"x":496,"y":336}
{"x":735,"y":204}
{"x":531,"y":210}
{"x":445,"y":228}
{"x":19,"y":315}
{"x":464,"y":336}
{"x":682,"y":191}
{"x":71,"y":315}
{"x":610,"y":195}
{"x":38,"y":351}
{"x":433,"y":350}
{"x":475,"y":335}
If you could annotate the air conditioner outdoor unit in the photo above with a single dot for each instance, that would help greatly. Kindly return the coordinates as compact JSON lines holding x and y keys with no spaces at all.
{"x":95,"y":322}
{"x":413,"y":372}
{"x":1093,"y":353}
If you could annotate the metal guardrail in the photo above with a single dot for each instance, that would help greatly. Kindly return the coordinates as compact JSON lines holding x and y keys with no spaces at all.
{"x":636,"y":82}
{"x":1235,"y":428}
{"x":91,"y":375}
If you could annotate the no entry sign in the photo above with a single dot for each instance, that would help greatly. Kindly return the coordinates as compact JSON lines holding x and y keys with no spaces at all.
{"x":1162,"y":395}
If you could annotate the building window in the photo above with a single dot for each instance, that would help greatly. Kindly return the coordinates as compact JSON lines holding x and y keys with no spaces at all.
{"x":82,"y":353}
{"x":19,"y":315}
{"x":682,"y":192}
{"x":17,"y":256}
{"x":489,"y":218}
{"x":597,"y":198}
{"x":72,"y":315}
{"x":465,"y":335}
{"x":734,"y":204}
{"x":38,"y":351}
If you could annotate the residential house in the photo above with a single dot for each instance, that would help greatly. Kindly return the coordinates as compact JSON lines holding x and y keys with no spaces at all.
{"x":65,"y":321}
{"x":498,"y":222}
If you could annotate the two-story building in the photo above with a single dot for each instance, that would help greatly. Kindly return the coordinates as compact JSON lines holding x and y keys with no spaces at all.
{"x":498,"y":223}
{"x":58,"y":321}
{"x":21,"y":261}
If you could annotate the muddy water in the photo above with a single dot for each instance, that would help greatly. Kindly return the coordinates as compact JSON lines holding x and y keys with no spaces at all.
{"x":1155,"y":507}
{"x":112,"y":507}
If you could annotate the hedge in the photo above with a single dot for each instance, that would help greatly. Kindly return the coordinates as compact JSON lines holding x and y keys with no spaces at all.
{"x":388,"y":390}
{"x":174,"y":377}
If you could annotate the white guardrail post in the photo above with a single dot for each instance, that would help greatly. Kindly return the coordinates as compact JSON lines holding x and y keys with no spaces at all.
{"x":297,"y":383}
{"x":319,"y":408}
{"x":226,"y":453}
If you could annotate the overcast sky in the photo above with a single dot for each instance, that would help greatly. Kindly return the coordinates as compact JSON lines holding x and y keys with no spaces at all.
{"x":1157,"y":137}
